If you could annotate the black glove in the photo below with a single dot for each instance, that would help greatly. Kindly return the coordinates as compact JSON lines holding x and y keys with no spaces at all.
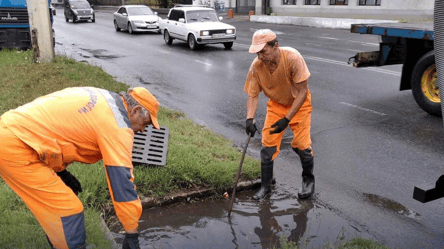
{"x":70,"y":181}
{"x":250,"y":127}
{"x":280,"y":125}
{"x":131,"y":241}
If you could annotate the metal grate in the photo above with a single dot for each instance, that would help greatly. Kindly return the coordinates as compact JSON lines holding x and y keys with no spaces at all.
{"x":151,"y":147}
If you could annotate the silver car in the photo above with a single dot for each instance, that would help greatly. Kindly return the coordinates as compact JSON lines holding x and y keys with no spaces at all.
{"x":136,"y":18}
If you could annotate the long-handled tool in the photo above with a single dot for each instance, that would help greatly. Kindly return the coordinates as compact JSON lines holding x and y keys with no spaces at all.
{"x":238,"y":175}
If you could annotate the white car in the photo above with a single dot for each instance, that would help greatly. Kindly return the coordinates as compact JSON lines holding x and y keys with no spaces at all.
{"x":196,"y":26}
{"x":136,"y":18}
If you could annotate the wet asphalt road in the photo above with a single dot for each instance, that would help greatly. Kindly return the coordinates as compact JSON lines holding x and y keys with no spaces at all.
{"x":372,"y":143}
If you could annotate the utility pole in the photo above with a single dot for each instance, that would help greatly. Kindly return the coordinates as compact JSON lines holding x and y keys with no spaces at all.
{"x":40,"y":24}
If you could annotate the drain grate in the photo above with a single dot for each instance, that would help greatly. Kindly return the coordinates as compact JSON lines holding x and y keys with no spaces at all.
{"x":151,"y":147}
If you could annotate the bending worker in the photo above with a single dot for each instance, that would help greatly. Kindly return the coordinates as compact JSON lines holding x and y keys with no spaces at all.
{"x":83,"y":124}
{"x":281,"y":73}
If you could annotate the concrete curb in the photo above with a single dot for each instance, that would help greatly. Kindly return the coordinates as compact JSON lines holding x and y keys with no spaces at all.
{"x":108,"y":234}
{"x":315,"y":22}
{"x":167,"y":200}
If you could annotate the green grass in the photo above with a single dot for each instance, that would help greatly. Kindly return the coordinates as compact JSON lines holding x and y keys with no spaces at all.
{"x":196,"y":156}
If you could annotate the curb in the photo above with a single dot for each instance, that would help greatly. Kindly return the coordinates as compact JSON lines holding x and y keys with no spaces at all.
{"x":167,"y":200}
{"x":108,"y":234}
{"x":316,"y":22}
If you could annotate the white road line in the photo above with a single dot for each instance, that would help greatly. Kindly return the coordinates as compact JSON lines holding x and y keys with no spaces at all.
{"x":365,"y":43}
{"x":362,"y":108}
{"x":314,"y":44}
{"x":339,"y":63}
{"x":330,"y":38}
{"x":208,"y":64}
{"x":165,"y":52}
{"x":347,"y":65}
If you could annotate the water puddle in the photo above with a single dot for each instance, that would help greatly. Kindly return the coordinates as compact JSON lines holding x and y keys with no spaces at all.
{"x":253,"y":224}
{"x":389,"y":205}
{"x":99,"y":54}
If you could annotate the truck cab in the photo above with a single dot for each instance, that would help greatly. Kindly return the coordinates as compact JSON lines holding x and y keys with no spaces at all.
{"x":78,"y":10}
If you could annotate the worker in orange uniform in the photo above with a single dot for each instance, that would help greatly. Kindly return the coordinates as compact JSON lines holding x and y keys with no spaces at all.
{"x":281,"y":73}
{"x":82,"y":124}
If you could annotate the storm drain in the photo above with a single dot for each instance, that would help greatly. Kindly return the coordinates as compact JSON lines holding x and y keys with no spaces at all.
{"x":151,"y":146}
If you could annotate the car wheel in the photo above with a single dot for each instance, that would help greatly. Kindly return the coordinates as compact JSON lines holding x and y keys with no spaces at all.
{"x":167,"y":37}
{"x":94,"y":18}
{"x":74,"y":19}
{"x":159,"y":31}
{"x":192,"y":42}
{"x":116,"y":26}
{"x":130,"y":28}
{"x":66,"y":19}
{"x":228,"y":45}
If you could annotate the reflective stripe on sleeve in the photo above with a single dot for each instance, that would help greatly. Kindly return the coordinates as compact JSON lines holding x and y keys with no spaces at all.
{"x":121,"y":186}
{"x":116,"y":104}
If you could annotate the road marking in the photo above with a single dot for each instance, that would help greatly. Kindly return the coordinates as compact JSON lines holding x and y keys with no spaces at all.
{"x":362,"y":108}
{"x":394,"y":73}
{"x":330,"y":38}
{"x":165,"y":52}
{"x":314,"y":44}
{"x":365,"y":43}
{"x":208,"y":64}
{"x":347,"y":65}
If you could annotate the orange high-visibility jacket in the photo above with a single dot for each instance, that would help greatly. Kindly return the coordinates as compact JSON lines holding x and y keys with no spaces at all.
{"x":83,"y":124}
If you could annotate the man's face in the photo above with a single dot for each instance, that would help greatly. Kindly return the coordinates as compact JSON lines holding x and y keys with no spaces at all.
{"x":267,"y":54}
{"x":138,"y":122}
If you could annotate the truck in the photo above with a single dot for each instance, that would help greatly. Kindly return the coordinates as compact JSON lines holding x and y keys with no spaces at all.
{"x":14,"y":24}
{"x":410,"y":44}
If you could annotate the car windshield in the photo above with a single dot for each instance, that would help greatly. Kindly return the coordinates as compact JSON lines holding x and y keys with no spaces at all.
{"x":202,"y":16}
{"x":138,"y":11}
{"x":80,"y":5}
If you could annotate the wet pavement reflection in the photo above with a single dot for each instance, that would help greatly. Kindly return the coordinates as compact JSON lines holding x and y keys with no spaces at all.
{"x":253,"y":224}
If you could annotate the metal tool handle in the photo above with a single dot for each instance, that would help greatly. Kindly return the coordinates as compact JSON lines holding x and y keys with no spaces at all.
{"x":238,"y":175}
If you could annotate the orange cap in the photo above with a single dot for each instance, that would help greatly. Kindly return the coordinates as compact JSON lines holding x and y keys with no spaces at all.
{"x":260,"y":38}
{"x":148,"y":101}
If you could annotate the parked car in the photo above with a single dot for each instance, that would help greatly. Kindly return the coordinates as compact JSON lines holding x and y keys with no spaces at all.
{"x":136,"y":18}
{"x":78,"y":10}
{"x":196,"y":26}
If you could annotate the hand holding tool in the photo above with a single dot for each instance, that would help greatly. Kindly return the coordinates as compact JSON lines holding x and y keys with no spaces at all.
{"x":239,"y":172}
{"x":250,"y":127}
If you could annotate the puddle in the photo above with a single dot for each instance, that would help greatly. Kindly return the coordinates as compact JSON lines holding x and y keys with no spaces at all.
{"x":253,"y":224}
{"x":99,"y":54}
{"x":389,"y":205}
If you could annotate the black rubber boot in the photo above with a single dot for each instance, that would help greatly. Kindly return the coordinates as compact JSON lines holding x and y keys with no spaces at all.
{"x":266,"y":176}
{"x":308,"y":179}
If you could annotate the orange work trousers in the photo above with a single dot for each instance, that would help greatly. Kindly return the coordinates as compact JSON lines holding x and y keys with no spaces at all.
{"x":58,"y":210}
{"x":300,"y":125}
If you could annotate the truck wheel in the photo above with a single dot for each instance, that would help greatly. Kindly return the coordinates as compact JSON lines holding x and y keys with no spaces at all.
{"x":167,"y":37}
{"x":192,"y":42}
{"x":425,"y":86}
{"x":228,"y":45}
{"x":66,"y":19}
{"x":116,"y":26}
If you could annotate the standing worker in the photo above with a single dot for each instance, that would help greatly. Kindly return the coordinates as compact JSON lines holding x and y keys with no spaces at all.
{"x":82,"y":124}
{"x":281,"y":73}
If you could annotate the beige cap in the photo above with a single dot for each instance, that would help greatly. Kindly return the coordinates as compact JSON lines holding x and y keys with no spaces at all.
{"x":260,"y":38}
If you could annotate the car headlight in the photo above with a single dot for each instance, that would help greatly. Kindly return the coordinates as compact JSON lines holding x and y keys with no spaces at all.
{"x":203,"y":33}
{"x":230,"y":31}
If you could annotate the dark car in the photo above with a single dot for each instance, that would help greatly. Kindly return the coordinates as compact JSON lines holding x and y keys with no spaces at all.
{"x":78,"y":10}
